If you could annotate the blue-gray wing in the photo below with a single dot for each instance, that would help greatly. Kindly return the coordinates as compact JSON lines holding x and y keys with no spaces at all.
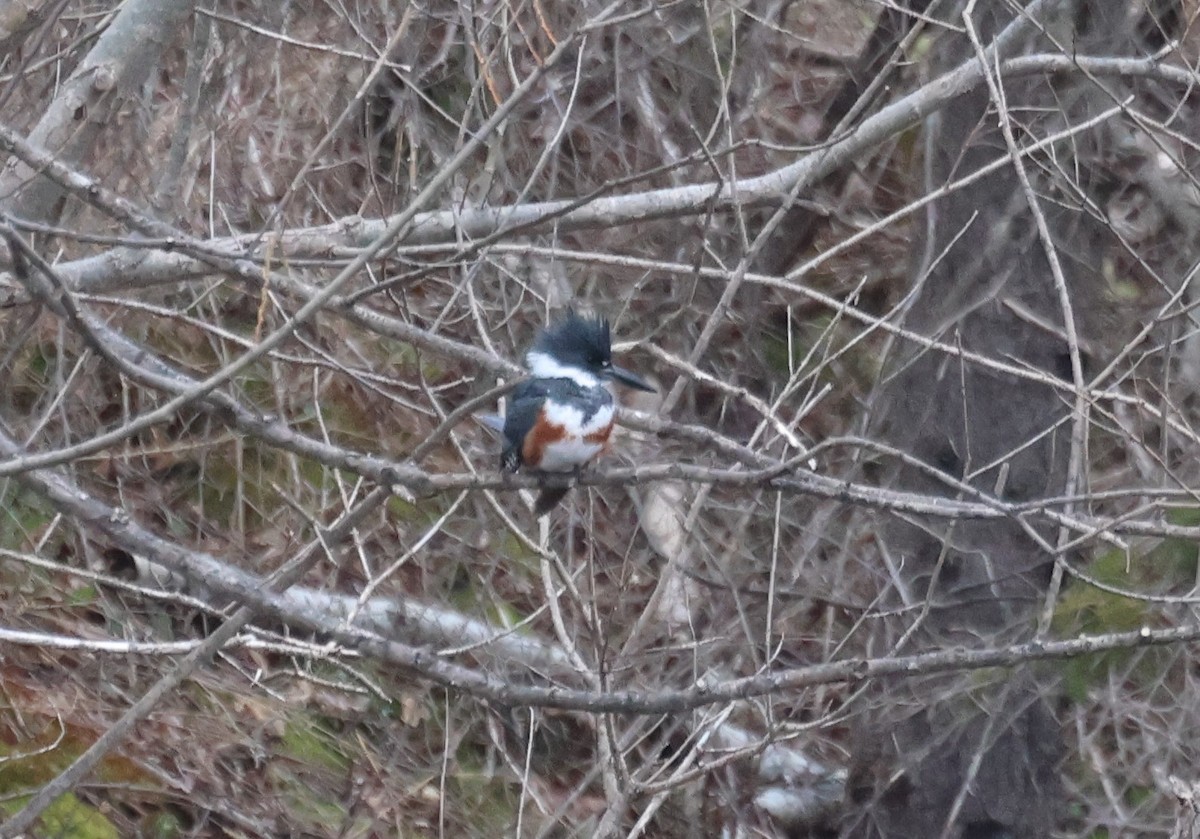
{"x":523,"y":408}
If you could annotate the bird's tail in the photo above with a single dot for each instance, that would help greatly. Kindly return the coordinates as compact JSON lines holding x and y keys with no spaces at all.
{"x":548,"y":498}
{"x":495,"y":422}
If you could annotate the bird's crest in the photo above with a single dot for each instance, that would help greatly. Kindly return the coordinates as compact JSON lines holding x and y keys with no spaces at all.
{"x":576,"y":339}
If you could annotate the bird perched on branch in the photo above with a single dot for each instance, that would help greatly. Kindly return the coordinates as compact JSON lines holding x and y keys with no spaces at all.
{"x":560,"y":419}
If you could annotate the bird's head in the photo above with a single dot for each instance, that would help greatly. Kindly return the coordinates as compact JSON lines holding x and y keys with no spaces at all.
{"x":579,"y":347}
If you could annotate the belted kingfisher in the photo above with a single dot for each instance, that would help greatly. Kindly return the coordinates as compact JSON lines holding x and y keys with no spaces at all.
{"x":560,"y":419}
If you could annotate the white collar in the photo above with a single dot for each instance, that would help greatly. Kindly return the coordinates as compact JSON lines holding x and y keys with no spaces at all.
{"x":544,"y":366}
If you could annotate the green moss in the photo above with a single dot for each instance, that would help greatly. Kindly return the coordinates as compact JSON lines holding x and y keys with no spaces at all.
{"x":69,"y":818}
{"x":83,"y":596}
{"x":425,"y":511}
{"x":1087,"y":609}
{"x":304,"y":807}
{"x":515,"y":552}
{"x":467,"y":597}
{"x":308,"y":772}
{"x":344,"y":420}
{"x":317,"y":476}
{"x":165,"y":825}
{"x":24,"y":514}
{"x":258,"y":385}
{"x":217,"y":490}
{"x":814,"y":341}
{"x":490,"y":798}
{"x":452,"y":90}
{"x":30,"y":375}
{"x":33,"y":761}
{"x":222,"y":485}
{"x":307,"y":741}
{"x":1136,"y":796}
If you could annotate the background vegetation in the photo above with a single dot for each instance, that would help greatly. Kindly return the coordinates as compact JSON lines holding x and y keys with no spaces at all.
{"x":905,"y":545}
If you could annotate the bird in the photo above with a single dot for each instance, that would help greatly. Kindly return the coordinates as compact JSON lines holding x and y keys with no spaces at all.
{"x":561,"y":417}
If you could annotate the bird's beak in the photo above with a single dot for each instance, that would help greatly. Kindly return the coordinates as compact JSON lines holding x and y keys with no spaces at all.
{"x":629,"y":379}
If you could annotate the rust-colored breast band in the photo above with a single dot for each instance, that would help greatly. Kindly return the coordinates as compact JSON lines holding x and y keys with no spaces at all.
{"x":600,"y":437}
{"x":539,"y":437}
